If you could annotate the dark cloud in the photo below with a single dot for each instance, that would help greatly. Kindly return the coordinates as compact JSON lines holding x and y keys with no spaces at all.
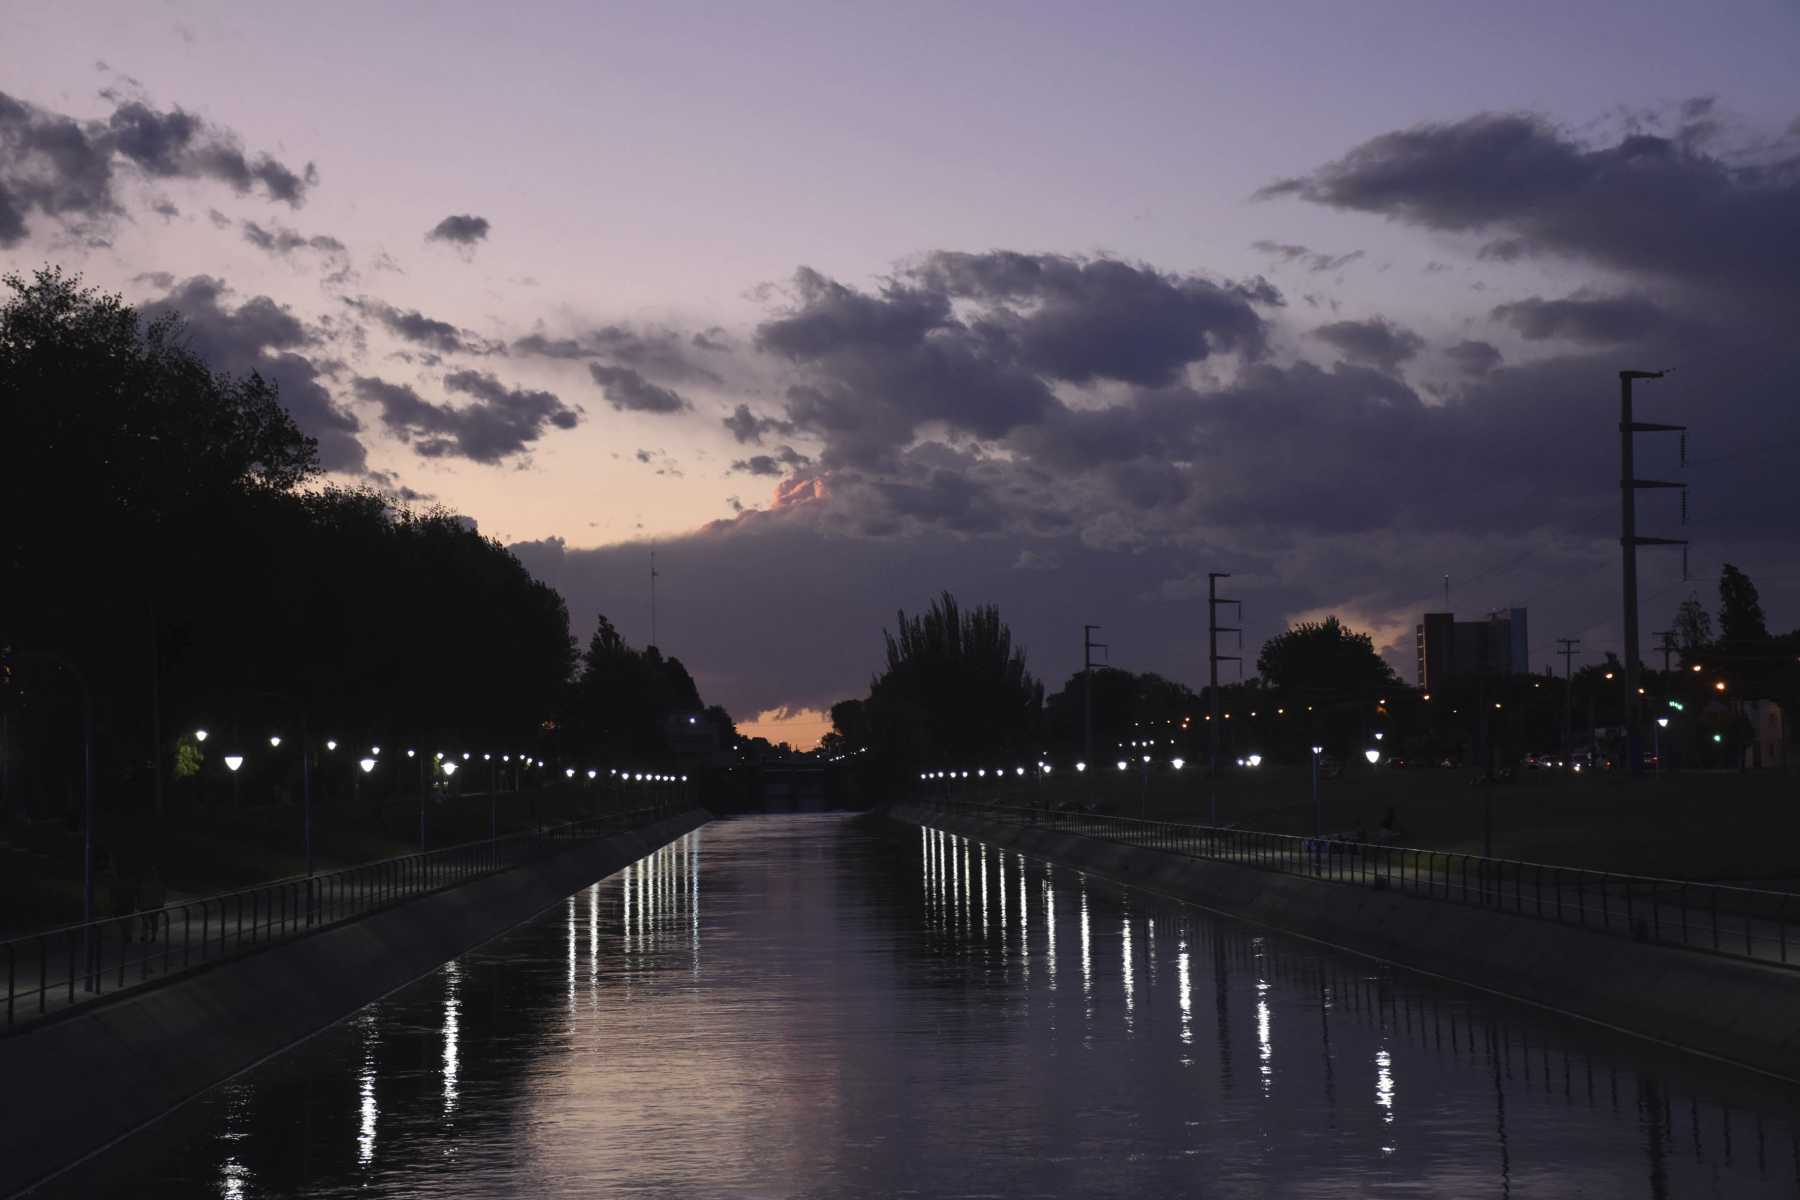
{"x":281,"y":241}
{"x":501,"y":423}
{"x":1081,"y":320}
{"x":414,"y":326}
{"x":1504,"y":250}
{"x":628,"y":391}
{"x":1376,"y":342}
{"x":1312,"y":260}
{"x":463,"y":230}
{"x":748,"y":428}
{"x":1678,"y":209}
{"x":660,"y":354}
{"x":264,"y":336}
{"x":1474,"y":358}
{"x":67,"y":169}
{"x":876,"y":367}
{"x":781,"y":462}
{"x":1585,"y":318}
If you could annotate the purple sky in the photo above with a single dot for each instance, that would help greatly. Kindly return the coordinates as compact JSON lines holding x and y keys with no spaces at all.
{"x":1054,"y":305}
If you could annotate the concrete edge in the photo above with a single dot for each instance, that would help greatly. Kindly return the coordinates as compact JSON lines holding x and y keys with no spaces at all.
{"x":1737,"y":1013}
{"x":161,"y":1049}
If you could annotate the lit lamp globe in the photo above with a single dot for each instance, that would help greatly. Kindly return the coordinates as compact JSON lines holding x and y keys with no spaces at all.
{"x":274,"y":739}
{"x":1178,"y":763}
{"x":1254,"y":760}
{"x":1373,"y":755}
{"x":1122,"y":764}
{"x":569,"y":772}
{"x":233,"y":761}
{"x":1318,"y":750}
{"x":592,"y":773}
{"x":1379,"y":735}
{"x":199,"y":735}
{"x":1080,"y":767}
{"x":1662,"y":722}
{"x":449,"y":768}
{"x":367,"y":764}
{"x":331,"y":743}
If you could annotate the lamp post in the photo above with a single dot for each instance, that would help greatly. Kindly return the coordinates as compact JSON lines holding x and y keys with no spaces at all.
{"x":1318,"y":811}
{"x":366,"y":765}
{"x":232,"y":763}
{"x":1662,"y":723}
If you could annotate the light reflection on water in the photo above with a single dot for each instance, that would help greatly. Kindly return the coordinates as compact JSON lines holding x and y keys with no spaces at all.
{"x":848,"y":1016}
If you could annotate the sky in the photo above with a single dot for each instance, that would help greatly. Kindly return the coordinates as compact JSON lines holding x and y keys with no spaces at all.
{"x":1055,"y":306}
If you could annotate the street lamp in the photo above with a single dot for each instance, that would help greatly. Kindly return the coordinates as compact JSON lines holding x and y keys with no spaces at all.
{"x":1662,"y":723}
{"x":331,"y":743}
{"x":274,"y":740}
{"x":199,"y":735}
{"x":232,"y":763}
{"x":1373,"y":755}
{"x":1318,"y":813}
{"x":1080,"y":767}
{"x":1254,"y":760}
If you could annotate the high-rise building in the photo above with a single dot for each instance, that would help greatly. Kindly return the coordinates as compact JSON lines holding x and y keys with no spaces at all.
{"x":1449,"y":649}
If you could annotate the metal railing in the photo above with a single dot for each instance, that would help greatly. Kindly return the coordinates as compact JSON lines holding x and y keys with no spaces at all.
{"x":1734,"y":922}
{"x":55,"y":970}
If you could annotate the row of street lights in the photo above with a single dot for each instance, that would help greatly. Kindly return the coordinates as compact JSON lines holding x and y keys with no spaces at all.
{"x":1249,"y":761}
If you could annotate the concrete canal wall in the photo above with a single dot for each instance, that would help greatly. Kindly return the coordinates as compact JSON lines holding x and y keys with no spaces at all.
{"x":1741,"y":1012}
{"x":80,"y":1083}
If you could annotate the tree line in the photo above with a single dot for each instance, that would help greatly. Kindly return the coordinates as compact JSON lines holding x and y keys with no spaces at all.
{"x":171,"y":553}
{"x":955,"y":691}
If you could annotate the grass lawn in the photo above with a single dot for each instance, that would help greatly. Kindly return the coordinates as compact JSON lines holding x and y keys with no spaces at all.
{"x":1716,"y":825}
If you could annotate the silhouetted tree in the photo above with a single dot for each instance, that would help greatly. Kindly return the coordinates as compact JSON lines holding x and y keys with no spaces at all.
{"x":1693,"y":625}
{"x":1740,"y":608}
{"x":954,"y":685}
{"x":1323,"y":658}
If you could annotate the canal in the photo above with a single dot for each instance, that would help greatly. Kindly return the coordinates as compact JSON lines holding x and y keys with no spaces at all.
{"x":846,"y":1006}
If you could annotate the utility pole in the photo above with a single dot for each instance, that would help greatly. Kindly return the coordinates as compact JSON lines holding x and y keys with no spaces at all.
{"x":653,"y":596}
{"x":1568,"y":648}
{"x":1629,"y":541}
{"x":1213,"y":657}
{"x":1088,"y":646}
{"x":1667,"y":647}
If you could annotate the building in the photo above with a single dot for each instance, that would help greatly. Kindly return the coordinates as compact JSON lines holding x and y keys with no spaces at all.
{"x":1450,"y":649}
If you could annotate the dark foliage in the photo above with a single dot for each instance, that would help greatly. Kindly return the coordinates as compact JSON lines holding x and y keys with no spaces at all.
{"x":163,"y":540}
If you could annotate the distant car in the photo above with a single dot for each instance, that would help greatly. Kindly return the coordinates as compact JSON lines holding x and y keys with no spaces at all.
{"x":1396,"y":764}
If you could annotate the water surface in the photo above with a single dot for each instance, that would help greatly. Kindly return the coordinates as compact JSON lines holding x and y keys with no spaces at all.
{"x":839,"y":1006}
